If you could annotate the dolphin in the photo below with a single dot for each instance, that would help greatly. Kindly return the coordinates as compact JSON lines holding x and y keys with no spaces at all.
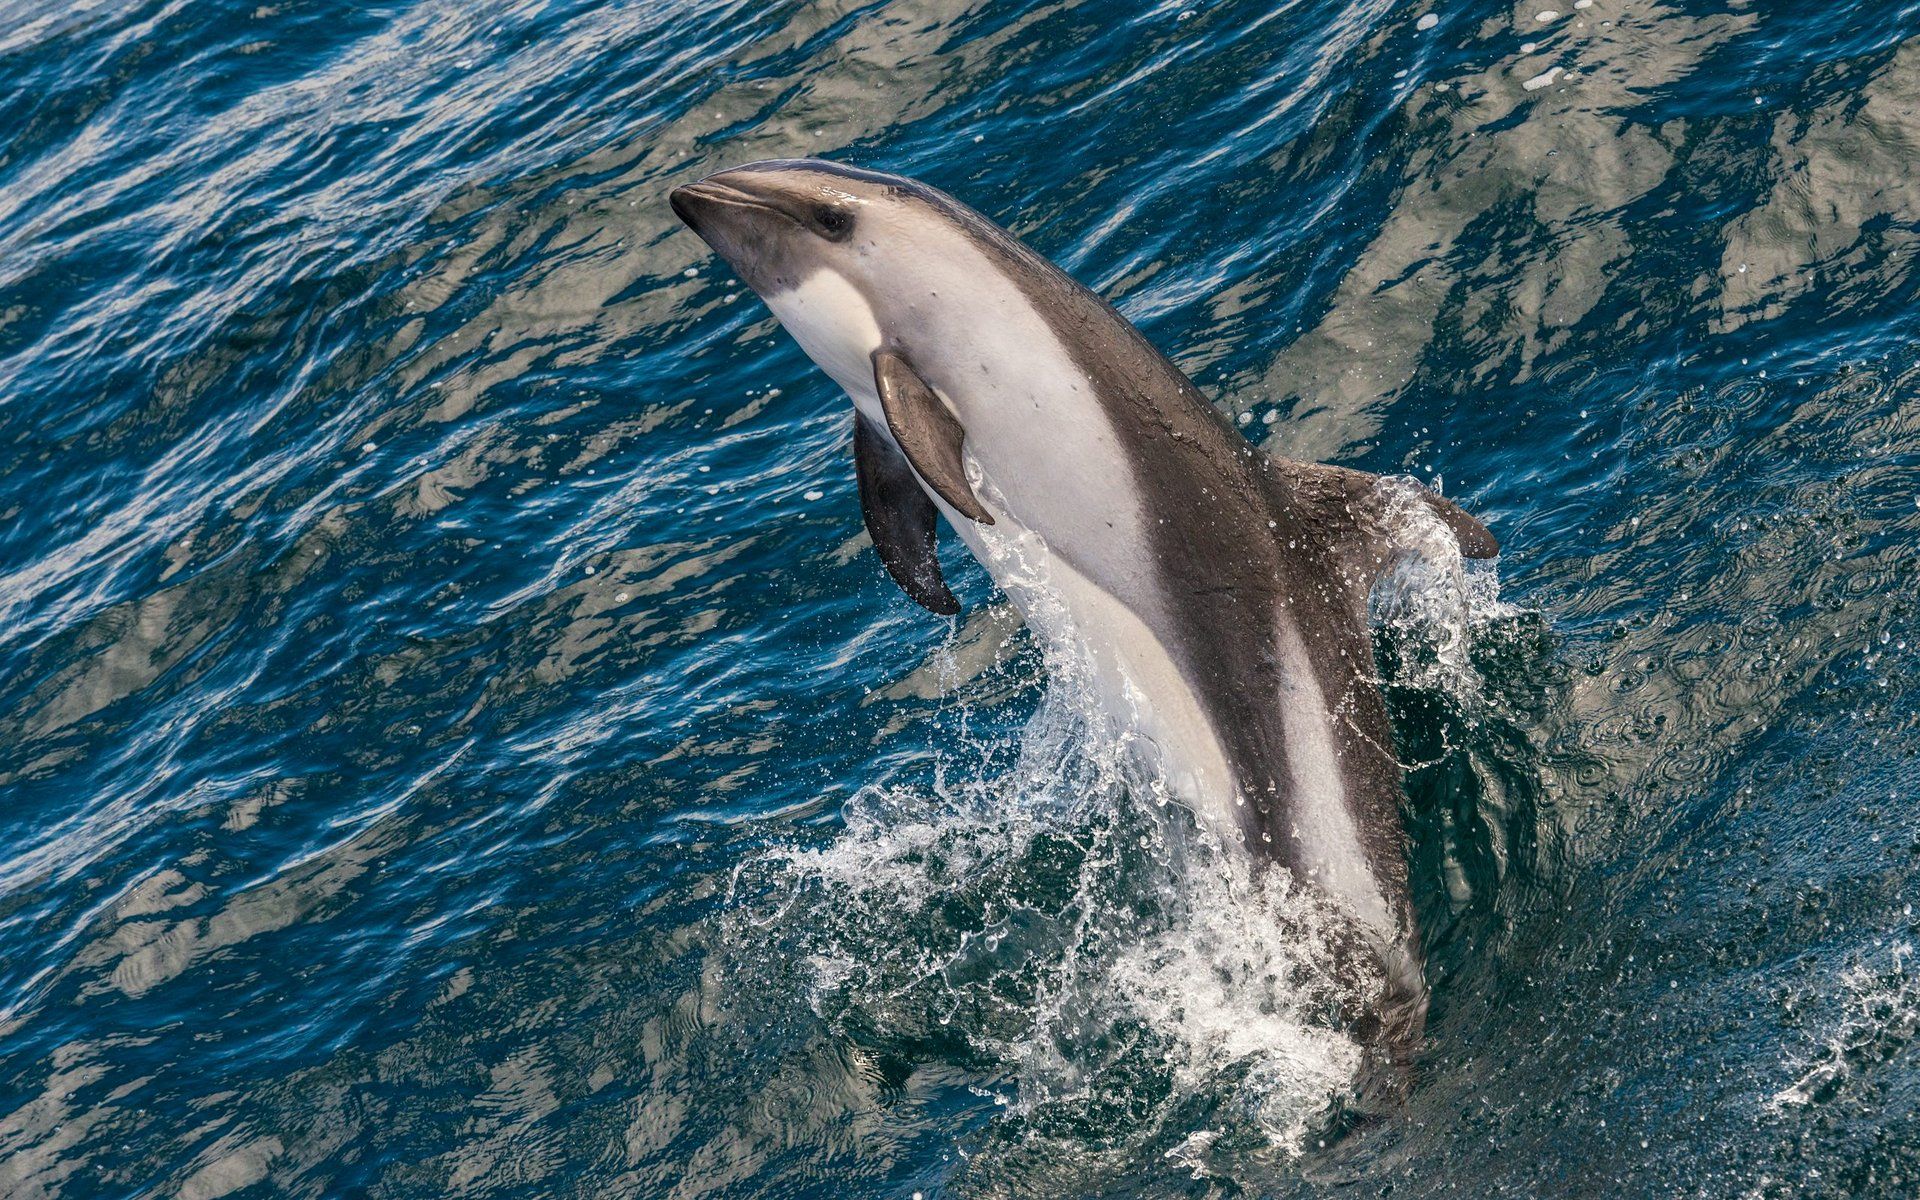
{"x":1216,"y":594}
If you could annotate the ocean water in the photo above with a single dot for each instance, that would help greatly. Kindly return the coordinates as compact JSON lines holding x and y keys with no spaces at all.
{"x":454,"y":739}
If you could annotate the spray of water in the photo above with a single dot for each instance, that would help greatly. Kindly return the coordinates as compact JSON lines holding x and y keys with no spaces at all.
{"x":1431,"y":599}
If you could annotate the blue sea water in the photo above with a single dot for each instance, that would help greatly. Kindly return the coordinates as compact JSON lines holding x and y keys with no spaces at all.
{"x":454,"y":739}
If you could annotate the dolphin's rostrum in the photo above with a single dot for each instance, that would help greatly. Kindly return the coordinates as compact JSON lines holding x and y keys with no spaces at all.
{"x":1218,"y":595}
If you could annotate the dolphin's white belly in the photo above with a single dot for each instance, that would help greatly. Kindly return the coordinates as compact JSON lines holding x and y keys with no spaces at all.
{"x":1132,"y":675}
{"x":1032,"y":418}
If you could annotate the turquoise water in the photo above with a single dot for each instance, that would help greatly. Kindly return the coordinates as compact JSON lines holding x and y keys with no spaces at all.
{"x":455,"y":741}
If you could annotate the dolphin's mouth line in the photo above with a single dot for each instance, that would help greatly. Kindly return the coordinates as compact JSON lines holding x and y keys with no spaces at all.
{"x":720,"y":193}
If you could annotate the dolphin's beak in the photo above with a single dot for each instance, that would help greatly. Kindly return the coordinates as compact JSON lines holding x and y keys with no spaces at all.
{"x":742,"y":219}
{"x":698,"y":203}
{"x":690,"y":202}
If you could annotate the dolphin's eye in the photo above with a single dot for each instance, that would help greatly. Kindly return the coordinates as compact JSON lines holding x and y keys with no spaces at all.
{"x":833,"y":222}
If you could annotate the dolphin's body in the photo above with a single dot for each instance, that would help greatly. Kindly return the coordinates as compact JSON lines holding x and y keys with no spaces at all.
{"x":1217,"y":595}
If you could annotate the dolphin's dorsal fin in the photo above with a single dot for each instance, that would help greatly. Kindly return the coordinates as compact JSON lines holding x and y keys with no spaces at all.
{"x":900,"y":517}
{"x":927,"y":431}
{"x":1352,"y":506}
{"x":1476,"y":540}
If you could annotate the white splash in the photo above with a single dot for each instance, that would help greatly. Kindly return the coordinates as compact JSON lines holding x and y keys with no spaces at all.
{"x":1159,"y":940}
{"x":1233,"y":987}
{"x":1879,"y":1015}
{"x":1433,"y":597}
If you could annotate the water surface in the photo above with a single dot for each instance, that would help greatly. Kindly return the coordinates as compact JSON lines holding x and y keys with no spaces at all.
{"x":455,"y":741}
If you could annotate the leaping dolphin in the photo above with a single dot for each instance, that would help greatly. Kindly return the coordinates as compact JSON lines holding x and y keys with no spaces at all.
{"x":1217,"y":594}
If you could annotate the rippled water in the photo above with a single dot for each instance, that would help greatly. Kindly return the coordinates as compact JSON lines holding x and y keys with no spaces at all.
{"x":454,"y":740}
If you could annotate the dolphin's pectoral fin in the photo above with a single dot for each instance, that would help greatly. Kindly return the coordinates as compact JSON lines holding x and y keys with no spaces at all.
{"x":900,"y":518}
{"x":928,"y":432}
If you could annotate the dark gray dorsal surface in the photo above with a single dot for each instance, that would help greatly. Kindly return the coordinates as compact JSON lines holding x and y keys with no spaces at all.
{"x":900,"y":517}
